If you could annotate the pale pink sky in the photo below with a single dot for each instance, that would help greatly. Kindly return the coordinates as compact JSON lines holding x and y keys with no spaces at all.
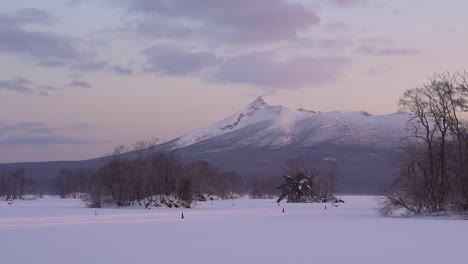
{"x":81,"y":76}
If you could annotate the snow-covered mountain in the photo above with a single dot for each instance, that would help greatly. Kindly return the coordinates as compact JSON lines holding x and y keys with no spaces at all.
{"x":259,"y":125}
{"x":258,"y":139}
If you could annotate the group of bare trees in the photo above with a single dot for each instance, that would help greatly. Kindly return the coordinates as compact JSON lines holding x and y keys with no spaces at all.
{"x":433,"y":161}
{"x":264,"y":186}
{"x":74,"y":183}
{"x":141,"y":175}
{"x":14,"y":184}
{"x":302,"y":184}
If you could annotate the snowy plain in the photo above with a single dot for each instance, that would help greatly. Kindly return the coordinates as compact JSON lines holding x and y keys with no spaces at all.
{"x":51,"y":230}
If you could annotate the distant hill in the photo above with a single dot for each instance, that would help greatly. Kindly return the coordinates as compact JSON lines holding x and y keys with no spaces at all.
{"x":259,"y":138}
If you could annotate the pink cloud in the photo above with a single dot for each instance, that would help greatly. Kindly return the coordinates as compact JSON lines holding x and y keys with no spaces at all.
{"x":348,"y":3}
{"x":176,"y":61}
{"x":387,"y":51}
{"x":262,"y":70}
{"x":242,"y":21}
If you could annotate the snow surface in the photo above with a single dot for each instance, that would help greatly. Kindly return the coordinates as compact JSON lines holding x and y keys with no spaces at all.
{"x":49,"y":231}
{"x":303,"y":127}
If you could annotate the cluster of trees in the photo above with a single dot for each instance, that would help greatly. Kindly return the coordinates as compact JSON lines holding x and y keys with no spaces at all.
{"x":433,"y":161}
{"x":141,"y":175}
{"x":74,"y":183}
{"x":14,"y":184}
{"x":307,"y":185}
{"x":264,"y":186}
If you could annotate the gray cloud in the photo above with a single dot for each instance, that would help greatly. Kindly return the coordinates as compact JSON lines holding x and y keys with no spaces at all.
{"x":80,"y":84}
{"x":325,"y":43}
{"x":40,"y":134}
{"x":32,"y":128}
{"x":46,"y":90}
{"x":25,"y":16}
{"x":46,"y":49}
{"x":51,"y":63}
{"x":74,"y":3}
{"x":174,"y":61}
{"x":22,"y":80}
{"x":121,"y":70}
{"x":241,"y":21}
{"x":230,"y":23}
{"x":387,"y":51}
{"x":88,"y":65}
{"x":398,"y":51}
{"x":337,"y":27}
{"x":348,"y":3}
{"x":26,"y":87}
{"x":47,"y":140}
{"x":38,"y":45}
{"x":262,"y":70}
{"x":19,"y":85}
{"x":379,"y":69}
{"x":14,"y":38}
{"x":81,"y":127}
{"x":25,"y":128}
{"x":259,"y":68}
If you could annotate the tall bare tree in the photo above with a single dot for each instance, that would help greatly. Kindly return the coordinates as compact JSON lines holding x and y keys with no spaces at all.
{"x":434,"y":160}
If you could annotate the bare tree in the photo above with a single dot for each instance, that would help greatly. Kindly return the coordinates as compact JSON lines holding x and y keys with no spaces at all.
{"x":433,"y":164}
{"x":14,"y":184}
{"x":326,"y":183}
{"x":140,"y":174}
{"x":168,"y":169}
{"x":139,"y":168}
{"x":264,"y":186}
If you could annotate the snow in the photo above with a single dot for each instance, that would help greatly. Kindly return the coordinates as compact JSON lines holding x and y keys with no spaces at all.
{"x":257,"y":111}
{"x":53,"y":231}
{"x":303,"y":128}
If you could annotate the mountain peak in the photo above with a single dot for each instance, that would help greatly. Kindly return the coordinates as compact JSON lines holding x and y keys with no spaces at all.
{"x":248,"y":111}
{"x":257,"y":104}
{"x":259,"y":124}
{"x":306,"y":111}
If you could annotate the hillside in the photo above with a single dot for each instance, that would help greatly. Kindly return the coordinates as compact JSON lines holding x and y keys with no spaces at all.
{"x":259,"y":138}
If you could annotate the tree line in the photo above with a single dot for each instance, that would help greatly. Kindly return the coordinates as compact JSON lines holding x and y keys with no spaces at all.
{"x":433,"y":160}
{"x":14,"y":184}
{"x":140,"y":175}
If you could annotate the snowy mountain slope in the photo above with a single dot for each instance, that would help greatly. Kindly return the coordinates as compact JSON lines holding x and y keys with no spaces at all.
{"x":258,"y":139}
{"x":260,"y":125}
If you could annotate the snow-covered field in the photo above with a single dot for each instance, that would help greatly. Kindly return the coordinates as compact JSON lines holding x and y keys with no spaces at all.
{"x":51,"y":230}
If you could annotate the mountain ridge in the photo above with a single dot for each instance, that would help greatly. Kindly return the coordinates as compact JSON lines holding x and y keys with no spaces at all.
{"x":295,"y":124}
{"x":258,"y":139}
